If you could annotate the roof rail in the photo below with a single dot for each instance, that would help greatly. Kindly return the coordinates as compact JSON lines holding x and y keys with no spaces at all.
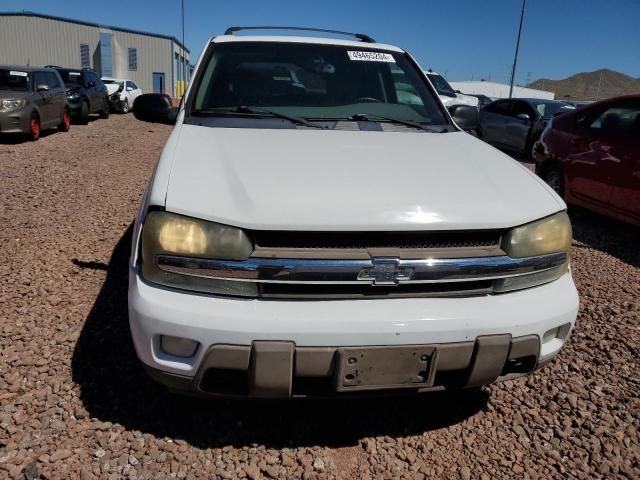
{"x":359,"y":36}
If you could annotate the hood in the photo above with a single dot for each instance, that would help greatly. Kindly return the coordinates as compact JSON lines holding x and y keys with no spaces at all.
{"x":458,"y":99}
{"x":14,"y":95}
{"x":288,"y":179}
{"x":112,"y":88}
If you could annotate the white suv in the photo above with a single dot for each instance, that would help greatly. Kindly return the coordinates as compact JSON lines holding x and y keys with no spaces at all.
{"x":318,"y":223}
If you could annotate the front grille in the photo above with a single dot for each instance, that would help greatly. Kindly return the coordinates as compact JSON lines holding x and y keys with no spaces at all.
{"x":337,"y":292}
{"x":365,"y":240}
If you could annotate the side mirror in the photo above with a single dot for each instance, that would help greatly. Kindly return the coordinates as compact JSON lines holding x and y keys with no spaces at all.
{"x":42,"y":88}
{"x":466,"y":116}
{"x":91,"y":84}
{"x":129,"y":89}
{"x":155,"y":108}
{"x":524,"y":117}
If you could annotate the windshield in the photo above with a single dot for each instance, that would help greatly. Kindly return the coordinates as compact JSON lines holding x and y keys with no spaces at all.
{"x":14,"y":80}
{"x":70,"y":77}
{"x":548,"y":110}
{"x":314,"y":81}
{"x":113,"y":82}
{"x":440,"y":84}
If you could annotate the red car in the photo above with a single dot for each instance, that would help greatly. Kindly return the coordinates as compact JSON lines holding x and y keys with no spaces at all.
{"x":591,"y":157}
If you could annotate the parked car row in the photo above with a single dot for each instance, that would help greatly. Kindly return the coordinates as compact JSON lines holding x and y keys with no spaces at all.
{"x":33,"y":99}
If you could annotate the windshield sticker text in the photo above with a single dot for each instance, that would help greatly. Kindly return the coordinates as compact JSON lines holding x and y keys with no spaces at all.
{"x":18,"y":74}
{"x":371,"y":56}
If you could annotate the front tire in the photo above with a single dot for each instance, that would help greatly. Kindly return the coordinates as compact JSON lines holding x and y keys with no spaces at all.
{"x":105,"y":111}
{"x":125,"y":106}
{"x":65,"y":124}
{"x":84,"y":113}
{"x":34,"y":127}
{"x":554,"y":177}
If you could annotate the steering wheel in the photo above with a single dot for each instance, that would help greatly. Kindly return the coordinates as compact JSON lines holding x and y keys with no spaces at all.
{"x":366,"y":100}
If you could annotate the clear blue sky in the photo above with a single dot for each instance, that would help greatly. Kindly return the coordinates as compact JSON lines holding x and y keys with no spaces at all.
{"x":459,"y":38}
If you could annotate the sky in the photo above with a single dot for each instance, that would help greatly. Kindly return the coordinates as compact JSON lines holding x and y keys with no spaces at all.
{"x":461,"y":39}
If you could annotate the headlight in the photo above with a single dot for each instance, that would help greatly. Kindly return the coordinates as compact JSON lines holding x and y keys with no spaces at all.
{"x":73,"y":95}
{"x":549,"y":235}
{"x":9,"y":105}
{"x":543,"y":237}
{"x":166,"y":233}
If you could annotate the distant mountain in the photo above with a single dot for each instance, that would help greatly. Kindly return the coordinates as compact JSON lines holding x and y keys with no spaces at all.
{"x":600,"y":84}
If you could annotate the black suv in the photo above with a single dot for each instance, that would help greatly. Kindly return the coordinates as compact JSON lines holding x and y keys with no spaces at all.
{"x":86,"y":93}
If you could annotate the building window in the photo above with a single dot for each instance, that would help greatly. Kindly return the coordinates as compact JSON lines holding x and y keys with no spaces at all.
{"x":85,"y":62}
{"x":106,"y":54}
{"x":133,"y":58}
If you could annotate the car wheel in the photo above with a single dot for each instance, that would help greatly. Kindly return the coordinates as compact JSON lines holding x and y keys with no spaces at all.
{"x":84,"y":113}
{"x":555,"y":179}
{"x":125,"y":106}
{"x":65,"y":124}
{"x":105,"y":111}
{"x":34,"y":127}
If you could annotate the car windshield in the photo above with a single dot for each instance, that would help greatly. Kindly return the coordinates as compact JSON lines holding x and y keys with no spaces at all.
{"x":440,"y":84}
{"x":70,"y":77}
{"x":14,"y":80}
{"x":548,"y":110}
{"x":112,"y":82}
{"x":313,"y":81}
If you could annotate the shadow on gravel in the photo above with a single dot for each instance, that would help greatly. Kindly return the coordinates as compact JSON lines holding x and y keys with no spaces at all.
{"x":18,"y":138}
{"x":114,"y":388}
{"x":615,"y":238}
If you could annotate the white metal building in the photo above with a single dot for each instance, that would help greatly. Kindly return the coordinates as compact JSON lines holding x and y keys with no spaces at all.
{"x":157,"y":63}
{"x":500,"y":90}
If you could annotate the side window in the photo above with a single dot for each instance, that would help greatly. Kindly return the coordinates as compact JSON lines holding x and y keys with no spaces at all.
{"x":499,"y":107}
{"x":132,"y":54}
{"x":133,"y":85}
{"x":522,"y":107}
{"x":85,"y":61}
{"x":39,"y":79}
{"x":618,"y":121}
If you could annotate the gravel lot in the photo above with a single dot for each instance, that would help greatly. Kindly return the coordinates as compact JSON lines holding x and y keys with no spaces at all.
{"x":75,"y":403}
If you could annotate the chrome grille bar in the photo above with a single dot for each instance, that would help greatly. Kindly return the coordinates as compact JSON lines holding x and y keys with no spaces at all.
{"x":383,"y":271}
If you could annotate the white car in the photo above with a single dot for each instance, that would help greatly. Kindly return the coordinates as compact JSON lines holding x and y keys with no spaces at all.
{"x":122,"y":93}
{"x":308,"y":230}
{"x":447,"y":94}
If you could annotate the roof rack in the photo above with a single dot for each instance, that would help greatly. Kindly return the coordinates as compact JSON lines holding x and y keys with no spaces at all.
{"x":359,"y":36}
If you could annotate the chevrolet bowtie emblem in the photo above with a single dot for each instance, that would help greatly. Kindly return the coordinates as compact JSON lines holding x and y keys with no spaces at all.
{"x":385,"y":271}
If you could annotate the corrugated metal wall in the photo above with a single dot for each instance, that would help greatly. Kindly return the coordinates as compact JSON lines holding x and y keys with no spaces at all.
{"x":40,"y":41}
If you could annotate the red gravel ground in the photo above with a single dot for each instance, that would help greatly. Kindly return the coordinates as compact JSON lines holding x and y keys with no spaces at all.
{"x":74,"y":403}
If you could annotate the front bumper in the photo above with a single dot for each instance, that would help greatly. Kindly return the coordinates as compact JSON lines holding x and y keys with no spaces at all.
{"x":16,"y":121}
{"x":479,"y":340}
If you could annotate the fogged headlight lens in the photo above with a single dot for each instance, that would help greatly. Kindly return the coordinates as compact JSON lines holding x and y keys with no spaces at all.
{"x":166,"y":233}
{"x":549,"y":235}
{"x":543,"y":237}
{"x":10,"y":105}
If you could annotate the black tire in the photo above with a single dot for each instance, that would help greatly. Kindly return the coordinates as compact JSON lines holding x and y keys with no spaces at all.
{"x":104,"y":113}
{"x":83,"y":117}
{"x":554,"y":177}
{"x":125,"y":106}
{"x":65,"y":124}
{"x":34,"y":127}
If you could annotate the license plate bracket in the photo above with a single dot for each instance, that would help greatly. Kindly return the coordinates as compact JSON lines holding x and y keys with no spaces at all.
{"x":384,"y":367}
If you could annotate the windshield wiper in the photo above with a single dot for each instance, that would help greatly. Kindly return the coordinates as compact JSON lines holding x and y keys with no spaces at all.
{"x":364,"y":117}
{"x":254,"y":110}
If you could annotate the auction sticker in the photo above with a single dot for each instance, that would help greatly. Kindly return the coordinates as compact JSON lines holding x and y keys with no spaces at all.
{"x":18,"y":74}
{"x":371,"y":56}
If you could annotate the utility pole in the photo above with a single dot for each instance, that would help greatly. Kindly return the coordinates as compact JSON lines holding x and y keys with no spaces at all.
{"x":599,"y":83}
{"x":184,"y":60}
{"x":515,"y":58}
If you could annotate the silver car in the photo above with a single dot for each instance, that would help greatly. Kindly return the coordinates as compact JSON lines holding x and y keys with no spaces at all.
{"x":32,"y":100}
{"x":517,"y":123}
